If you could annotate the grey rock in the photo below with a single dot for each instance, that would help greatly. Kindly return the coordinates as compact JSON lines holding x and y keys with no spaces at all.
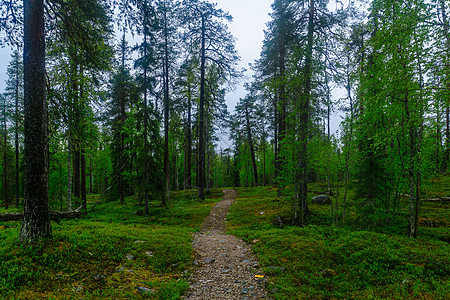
{"x":277,"y":268}
{"x":78,"y":289}
{"x":144,"y":290}
{"x":209,"y":260}
{"x":120,"y":269}
{"x":321,"y":199}
{"x":149,"y":254}
{"x":129,"y":257}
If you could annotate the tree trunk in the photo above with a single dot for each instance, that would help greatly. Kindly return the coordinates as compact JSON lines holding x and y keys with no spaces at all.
{"x":166,"y":112}
{"x":302,"y":153}
{"x":250,"y":142}
{"x":145,"y":111}
{"x":188,"y":155}
{"x":83,"y":179}
{"x":69,"y":174}
{"x":446,"y":28}
{"x":16,"y":117}
{"x":201,"y":121}
{"x":36,"y":219}
{"x":5,"y":156}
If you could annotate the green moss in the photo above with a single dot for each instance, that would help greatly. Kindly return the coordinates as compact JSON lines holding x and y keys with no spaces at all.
{"x":326,"y":262}
{"x":84,"y":256}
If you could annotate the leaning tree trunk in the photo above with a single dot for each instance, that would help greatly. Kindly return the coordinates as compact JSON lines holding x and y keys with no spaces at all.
{"x":36,"y":219}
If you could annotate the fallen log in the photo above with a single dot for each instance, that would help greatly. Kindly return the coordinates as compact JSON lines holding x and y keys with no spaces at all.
{"x":440,"y":199}
{"x":54,"y":215}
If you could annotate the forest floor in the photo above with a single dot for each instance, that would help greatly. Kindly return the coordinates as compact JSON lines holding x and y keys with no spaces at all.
{"x":112,"y":253}
{"x":226,"y":268}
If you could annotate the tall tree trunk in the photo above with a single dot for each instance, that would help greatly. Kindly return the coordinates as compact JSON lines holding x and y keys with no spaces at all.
{"x":5,"y":156}
{"x":122,"y":125}
{"x":281,"y":115}
{"x":302,"y":153}
{"x":146,"y":181}
{"x":166,"y":112}
{"x":16,"y":117}
{"x":446,"y":29}
{"x":83,"y":179}
{"x":201,"y":121}
{"x":36,"y":219}
{"x":69,"y":174}
{"x":188,"y":156}
{"x":250,"y":142}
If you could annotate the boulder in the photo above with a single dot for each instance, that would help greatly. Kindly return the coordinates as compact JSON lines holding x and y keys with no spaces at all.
{"x":321,"y":199}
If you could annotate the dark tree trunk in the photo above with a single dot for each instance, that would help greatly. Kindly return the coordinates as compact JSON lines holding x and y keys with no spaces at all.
{"x":201,"y":121}
{"x":36,"y":219}
{"x":281,"y":114}
{"x":146,"y":181}
{"x":83,"y":179}
{"x":188,"y":162}
{"x":302,"y":153}
{"x":16,"y":117}
{"x":76,"y":173}
{"x":166,"y":112}
{"x":446,"y":27}
{"x":5,"y":157}
{"x":250,"y":142}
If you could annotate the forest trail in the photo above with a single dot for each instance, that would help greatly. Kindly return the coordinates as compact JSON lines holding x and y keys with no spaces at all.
{"x":226,"y":267}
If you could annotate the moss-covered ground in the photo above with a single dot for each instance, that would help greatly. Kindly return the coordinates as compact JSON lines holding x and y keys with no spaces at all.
{"x":109,"y":254}
{"x":322,"y":261}
{"x":113,"y":254}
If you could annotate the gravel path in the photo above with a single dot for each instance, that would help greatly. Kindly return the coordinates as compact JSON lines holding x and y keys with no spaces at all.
{"x":226,"y":267}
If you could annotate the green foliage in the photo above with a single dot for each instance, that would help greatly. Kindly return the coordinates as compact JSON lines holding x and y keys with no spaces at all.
{"x":322,"y":262}
{"x":85,"y":255}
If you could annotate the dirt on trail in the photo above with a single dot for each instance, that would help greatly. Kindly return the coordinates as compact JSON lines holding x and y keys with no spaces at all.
{"x":225,"y":266}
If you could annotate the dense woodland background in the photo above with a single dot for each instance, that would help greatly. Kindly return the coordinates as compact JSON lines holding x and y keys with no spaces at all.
{"x":144,"y":119}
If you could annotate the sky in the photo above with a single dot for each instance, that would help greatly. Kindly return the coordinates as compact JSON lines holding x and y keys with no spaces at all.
{"x":249,"y":22}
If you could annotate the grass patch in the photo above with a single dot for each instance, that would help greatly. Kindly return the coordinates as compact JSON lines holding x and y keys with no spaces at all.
{"x":326,"y":262}
{"x":111,"y":253}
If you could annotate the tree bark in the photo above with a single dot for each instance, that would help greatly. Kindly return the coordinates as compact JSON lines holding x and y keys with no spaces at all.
{"x":16,"y":117}
{"x":302,"y":154}
{"x":5,"y":157}
{"x":83,"y":179}
{"x":69,"y":174}
{"x":36,"y":218}
{"x":201,"y":121}
{"x":145,"y":111}
{"x":250,"y":142}
{"x":188,"y":156}
{"x":166,"y":112}
{"x":446,"y":29}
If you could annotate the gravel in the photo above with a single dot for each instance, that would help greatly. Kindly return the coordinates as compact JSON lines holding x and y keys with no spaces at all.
{"x":223,"y":268}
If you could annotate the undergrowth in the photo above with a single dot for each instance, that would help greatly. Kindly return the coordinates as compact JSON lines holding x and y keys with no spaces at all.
{"x":109,"y":254}
{"x":321,"y":261}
